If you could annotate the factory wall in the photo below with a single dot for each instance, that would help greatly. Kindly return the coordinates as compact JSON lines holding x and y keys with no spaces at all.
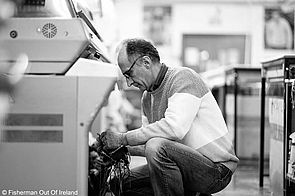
{"x":212,"y":18}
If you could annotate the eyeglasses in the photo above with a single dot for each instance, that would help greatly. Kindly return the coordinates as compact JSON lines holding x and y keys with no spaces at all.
{"x":127,"y":73}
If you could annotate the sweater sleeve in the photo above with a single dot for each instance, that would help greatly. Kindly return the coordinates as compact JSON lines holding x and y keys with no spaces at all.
{"x":185,"y":96}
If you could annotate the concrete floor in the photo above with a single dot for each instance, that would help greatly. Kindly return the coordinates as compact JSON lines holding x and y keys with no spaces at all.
{"x":245,"y":181}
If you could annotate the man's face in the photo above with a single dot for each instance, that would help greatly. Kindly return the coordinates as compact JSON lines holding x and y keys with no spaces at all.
{"x":134,"y":72}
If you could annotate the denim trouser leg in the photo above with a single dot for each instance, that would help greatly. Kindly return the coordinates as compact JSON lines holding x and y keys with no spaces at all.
{"x":137,"y":184}
{"x":176,"y":169}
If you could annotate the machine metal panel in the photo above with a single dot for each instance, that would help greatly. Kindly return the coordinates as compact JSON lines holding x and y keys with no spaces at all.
{"x":96,"y":81}
{"x":278,"y":75}
{"x":35,"y":136}
{"x":275,"y":113}
{"x":93,"y":93}
{"x":47,"y":54}
{"x":34,"y":120}
{"x":42,"y":165}
{"x":44,"y":144}
{"x":106,"y":75}
{"x":276,"y":171}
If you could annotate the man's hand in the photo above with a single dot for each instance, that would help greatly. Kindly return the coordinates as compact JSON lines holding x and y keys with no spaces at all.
{"x":112,"y":139}
{"x":97,"y":145}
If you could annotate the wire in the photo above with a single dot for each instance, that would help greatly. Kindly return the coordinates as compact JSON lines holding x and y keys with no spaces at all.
{"x":108,"y":169}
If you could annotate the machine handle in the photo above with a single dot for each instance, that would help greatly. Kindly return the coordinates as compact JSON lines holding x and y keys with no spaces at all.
{"x":89,"y":24}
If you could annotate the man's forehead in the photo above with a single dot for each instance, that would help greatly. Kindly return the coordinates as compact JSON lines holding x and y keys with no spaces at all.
{"x":123,"y":60}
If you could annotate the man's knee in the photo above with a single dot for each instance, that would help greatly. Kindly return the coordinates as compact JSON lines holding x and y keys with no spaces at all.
{"x":155,"y":147}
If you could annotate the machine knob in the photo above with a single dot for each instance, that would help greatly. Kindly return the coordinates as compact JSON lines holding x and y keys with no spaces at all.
{"x":97,"y":55}
{"x":13,"y":34}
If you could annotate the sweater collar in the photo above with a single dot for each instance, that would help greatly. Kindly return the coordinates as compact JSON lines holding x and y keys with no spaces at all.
{"x":160,"y":78}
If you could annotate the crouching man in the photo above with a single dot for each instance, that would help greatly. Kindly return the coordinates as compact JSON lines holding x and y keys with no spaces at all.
{"x":183,"y":136}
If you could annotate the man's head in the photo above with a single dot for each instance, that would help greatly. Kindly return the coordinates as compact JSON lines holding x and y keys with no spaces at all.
{"x":139,"y":62}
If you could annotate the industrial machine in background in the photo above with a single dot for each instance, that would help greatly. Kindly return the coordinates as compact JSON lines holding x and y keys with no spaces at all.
{"x":236,"y":89}
{"x":242,"y":116}
{"x":278,"y":91}
{"x":44,"y":144}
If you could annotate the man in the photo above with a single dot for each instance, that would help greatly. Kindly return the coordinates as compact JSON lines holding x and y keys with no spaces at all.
{"x":183,"y":135}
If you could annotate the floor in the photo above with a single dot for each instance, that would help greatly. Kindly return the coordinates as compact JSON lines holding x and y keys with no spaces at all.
{"x":245,"y":181}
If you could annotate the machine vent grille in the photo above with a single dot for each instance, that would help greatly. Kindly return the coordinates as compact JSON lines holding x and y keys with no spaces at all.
{"x":49,"y":30}
{"x":32,"y":136}
{"x":36,"y":128}
{"x":34,"y":120}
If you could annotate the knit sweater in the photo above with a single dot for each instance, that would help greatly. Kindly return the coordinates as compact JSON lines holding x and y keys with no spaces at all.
{"x":183,"y":109}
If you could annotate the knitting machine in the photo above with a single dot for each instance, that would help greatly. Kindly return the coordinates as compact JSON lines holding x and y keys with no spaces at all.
{"x":44,"y":143}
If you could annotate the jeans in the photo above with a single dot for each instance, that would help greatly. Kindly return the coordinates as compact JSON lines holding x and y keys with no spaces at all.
{"x":174,"y":169}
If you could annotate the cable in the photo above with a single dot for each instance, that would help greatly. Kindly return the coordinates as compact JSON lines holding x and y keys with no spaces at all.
{"x":105,"y":166}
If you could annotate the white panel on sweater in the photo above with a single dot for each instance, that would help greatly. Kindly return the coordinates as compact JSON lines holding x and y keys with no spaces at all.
{"x":208,"y":125}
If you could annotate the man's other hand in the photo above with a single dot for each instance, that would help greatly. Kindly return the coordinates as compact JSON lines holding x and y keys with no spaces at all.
{"x":112,"y":139}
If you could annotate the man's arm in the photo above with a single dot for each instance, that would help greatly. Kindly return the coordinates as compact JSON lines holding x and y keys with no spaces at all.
{"x":136,"y":150}
{"x":181,"y":111}
{"x":185,"y":96}
{"x":186,"y":92}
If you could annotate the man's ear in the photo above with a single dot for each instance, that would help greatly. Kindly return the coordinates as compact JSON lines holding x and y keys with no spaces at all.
{"x":18,"y":69}
{"x":147,"y":62}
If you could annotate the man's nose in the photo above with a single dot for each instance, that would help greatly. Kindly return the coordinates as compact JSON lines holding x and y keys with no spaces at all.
{"x":129,"y":82}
